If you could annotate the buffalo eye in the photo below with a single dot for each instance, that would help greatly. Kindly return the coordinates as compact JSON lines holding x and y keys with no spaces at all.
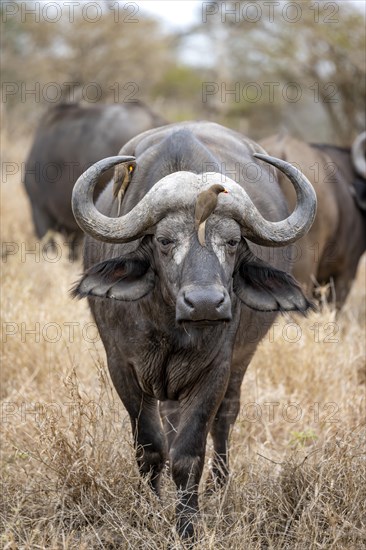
{"x":232,"y":244}
{"x":165,"y":243}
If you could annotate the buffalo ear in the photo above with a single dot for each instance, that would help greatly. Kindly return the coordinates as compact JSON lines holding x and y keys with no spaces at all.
{"x":121,"y":278}
{"x":264,"y":288}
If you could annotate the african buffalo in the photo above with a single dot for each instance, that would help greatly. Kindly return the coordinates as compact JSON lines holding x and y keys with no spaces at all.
{"x":69,"y":139}
{"x":180,"y":321}
{"x":330,"y":252}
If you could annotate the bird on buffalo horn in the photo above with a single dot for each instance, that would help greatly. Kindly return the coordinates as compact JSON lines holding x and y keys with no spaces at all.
{"x":205,"y":205}
{"x":122,"y":177}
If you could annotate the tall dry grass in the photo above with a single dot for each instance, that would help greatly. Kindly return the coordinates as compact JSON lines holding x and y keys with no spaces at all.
{"x":69,"y":478}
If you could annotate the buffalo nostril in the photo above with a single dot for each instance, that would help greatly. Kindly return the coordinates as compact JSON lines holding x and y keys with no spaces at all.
{"x":198,"y":300}
{"x":188,"y":302}
{"x":203,"y":304}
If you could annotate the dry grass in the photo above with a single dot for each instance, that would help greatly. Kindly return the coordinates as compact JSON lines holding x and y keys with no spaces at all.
{"x":69,"y":478}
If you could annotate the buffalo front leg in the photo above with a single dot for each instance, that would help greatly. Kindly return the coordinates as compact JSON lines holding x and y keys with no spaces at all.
{"x":220,"y":432}
{"x":151,"y":453}
{"x":187,"y":452}
{"x":221,"y":427}
{"x":149,"y":439}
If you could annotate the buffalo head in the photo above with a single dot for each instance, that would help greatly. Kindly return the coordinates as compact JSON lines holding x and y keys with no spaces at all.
{"x":198,"y":281}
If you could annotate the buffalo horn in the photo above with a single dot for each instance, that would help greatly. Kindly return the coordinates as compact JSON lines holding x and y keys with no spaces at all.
{"x":180,"y":190}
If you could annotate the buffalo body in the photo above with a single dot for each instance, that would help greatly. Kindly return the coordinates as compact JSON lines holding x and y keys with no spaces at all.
{"x":180,"y":321}
{"x":330,"y":252}
{"x":69,"y":139}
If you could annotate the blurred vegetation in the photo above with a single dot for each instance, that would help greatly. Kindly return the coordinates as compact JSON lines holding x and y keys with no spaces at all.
{"x":318,"y":46}
{"x":257,"y":67}
{"x":293,"y":485}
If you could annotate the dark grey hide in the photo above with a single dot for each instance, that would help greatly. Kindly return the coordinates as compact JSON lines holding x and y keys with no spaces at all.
{"x":183,"y":321}
{"x":338,"y":266}
{"x":69,"y":139}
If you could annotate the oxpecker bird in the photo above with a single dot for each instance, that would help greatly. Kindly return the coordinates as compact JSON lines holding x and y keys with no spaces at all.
{"x":205,"y":205}
{"x":122,"y":177}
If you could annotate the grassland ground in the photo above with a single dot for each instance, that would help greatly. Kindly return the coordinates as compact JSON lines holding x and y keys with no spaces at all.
{"x":69,"y":478}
